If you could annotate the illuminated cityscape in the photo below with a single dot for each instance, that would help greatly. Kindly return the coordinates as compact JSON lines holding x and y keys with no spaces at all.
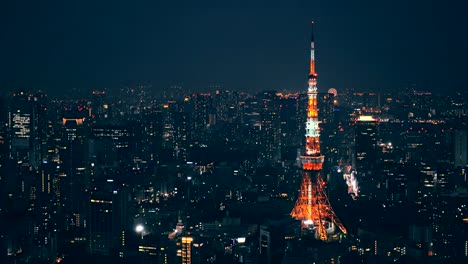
{"x":194,"y":133}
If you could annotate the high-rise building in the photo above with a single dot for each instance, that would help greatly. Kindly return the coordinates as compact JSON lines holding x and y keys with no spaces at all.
{"x":270,"y":128}
{"x":28,"y":125}
{"x":98,"y":108}
{"x":108,"y":220}
{"x":42,"y":128}
{"x":3,"y":137}
{"x":271,"y":242}
{"x":168,"y":125}
{"x":461,"y":148}
{"x":21,"y":117}
{"x":288,"y":108}
{"x":101,"y":235}
{"x":182,"y":135}
{"x":366,"y":153}
{"x":366,"y":101}
{"x":73,"y":165}
{"x":22,"y":156}
{"x":110,"y":144}
{"x":176,"y":129}
{"x":186,"y":252}
{"x":152,"y":135}
{"x":422,"y":103}
{"x":203,"y":104}
{"x":325,"y":105}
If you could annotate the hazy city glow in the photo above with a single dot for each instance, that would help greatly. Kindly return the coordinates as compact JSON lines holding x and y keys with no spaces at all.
{"x":179,"y":132}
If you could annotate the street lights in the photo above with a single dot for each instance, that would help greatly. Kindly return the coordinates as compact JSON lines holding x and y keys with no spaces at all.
{"x":140,"y":229}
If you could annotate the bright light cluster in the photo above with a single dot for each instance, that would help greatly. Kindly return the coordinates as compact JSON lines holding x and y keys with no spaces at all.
{"x":349,"y":176}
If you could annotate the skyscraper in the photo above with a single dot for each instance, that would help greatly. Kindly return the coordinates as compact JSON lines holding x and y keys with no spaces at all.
{"x":366,"y":153}
{"x":461,"y":148}
{"x":3,"y":137}
{"x":107,"y":220}
{"x":270,"y":129}
{"x":186,"y":252}
{"x":21,"y":116}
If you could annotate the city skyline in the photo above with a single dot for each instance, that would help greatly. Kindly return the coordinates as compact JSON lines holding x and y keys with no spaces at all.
{"x":107,"y":178}
{"x":242,"y":46}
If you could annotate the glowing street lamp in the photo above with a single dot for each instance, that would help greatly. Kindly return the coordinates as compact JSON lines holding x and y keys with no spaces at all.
{"x":139,"y":229}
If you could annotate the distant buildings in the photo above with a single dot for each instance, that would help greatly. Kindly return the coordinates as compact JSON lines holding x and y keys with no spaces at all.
{"x":78,"y":174}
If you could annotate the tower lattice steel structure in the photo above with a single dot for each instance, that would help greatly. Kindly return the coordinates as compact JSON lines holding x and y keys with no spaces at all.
{"x":312,"y":206}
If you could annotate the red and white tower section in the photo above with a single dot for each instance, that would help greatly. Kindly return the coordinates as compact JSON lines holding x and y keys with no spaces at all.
{"x":312,"y":206}
{"x":312,"y":160}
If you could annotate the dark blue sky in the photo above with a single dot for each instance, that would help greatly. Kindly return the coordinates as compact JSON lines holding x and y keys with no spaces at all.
{"x":242,"y":45}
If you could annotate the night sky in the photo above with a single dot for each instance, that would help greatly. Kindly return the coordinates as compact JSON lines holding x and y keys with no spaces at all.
{"x":241,"y":45}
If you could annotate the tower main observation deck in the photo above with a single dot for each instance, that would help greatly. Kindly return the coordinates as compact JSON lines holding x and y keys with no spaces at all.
{"x":312,"y":206}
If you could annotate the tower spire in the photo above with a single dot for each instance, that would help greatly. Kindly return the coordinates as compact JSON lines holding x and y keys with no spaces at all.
{"x":312,"y":206}
{"x":312,"y":53}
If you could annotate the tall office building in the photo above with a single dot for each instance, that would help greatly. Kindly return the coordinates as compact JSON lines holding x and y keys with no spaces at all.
{"x":108,"y":220}
{"x":176,"y":129}
{"x":152,"y":135}
{"x":288,"y":108}
{"x":4,"y":145}
{"x":21,"y":117}
{"x":182,"y":135}
{"x":28,"y":124}
{"x":422,"y":103}
{"x":270,"y":129}
{"x":99,"y":109}
{"x":203,"y":116}
{"x":461,"y":148}
{"x":186,"y":251}
{"x":325,"y":105}
{"x":74,"y":162}
{"x":366,"y":154}
{"x":110,"y":144}
{"x":45,"y":206}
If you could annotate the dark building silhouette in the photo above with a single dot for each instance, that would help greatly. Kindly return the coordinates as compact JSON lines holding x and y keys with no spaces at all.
{"x":366,"y":154}
{"x":108,"y":220}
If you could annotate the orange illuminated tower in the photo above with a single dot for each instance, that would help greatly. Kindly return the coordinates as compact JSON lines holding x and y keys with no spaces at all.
{"x":312,"y":206}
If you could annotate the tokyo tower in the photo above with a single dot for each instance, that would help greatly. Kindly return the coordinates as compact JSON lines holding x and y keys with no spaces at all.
{"x":312,"y":206}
